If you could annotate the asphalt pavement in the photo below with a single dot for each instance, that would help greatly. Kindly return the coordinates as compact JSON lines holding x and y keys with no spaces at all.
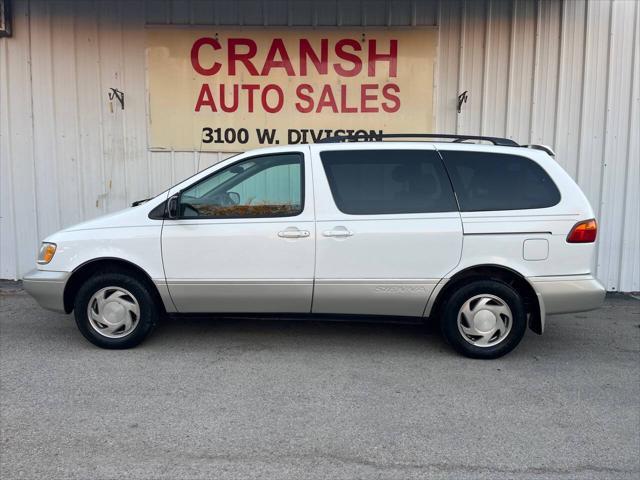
{"x":275,"y":399}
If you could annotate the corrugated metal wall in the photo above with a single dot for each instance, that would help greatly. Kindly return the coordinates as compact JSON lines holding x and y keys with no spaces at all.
{"x":563,"y":73}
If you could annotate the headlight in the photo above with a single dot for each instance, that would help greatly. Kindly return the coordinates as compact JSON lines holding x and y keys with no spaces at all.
{"x":47,"y":251}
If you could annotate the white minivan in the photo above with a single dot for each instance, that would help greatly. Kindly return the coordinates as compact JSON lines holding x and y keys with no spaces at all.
{"x":486,"y":237}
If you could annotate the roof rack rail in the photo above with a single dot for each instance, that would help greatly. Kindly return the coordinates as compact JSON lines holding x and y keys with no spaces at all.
{"x":545,"y":148}
{"x":504,"y":142}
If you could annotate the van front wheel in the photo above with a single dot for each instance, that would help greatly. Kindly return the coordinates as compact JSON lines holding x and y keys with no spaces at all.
{"x":484,"y":319}
{"x":115,"y":310}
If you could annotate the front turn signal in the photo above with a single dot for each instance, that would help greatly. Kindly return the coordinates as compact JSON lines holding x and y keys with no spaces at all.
{"x":583,"y":232}
{"x":47,"y":251}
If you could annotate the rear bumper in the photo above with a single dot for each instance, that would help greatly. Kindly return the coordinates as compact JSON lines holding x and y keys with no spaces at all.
{"x":566,"y":294}
{"x":47,"y":288}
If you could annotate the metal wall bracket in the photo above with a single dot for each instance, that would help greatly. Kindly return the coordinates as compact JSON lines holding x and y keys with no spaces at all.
{"x":462,"y":98}
{"x":118,"y":95}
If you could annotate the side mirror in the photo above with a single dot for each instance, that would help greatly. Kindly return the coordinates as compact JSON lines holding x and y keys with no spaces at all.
{"x":172,"y":206}
{"x":234,"y":197}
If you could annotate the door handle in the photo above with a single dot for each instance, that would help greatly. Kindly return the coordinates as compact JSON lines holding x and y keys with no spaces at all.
{"x":340,"y":232}
{"x":293,"y":233}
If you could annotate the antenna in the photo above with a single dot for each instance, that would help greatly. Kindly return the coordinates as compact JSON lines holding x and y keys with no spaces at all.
{"x":200,"y":151}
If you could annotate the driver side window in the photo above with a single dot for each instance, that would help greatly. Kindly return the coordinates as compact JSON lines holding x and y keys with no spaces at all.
{"x":268,"y":186}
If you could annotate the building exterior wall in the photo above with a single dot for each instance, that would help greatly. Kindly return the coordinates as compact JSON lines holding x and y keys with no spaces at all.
{"x":561,"y":73}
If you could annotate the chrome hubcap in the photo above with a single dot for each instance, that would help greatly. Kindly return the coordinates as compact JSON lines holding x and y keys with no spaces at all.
{"x":485,"y":320}
{"x":113,"y":312}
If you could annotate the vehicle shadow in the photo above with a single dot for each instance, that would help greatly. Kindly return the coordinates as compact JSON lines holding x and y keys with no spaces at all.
{"x":336,"y":334}
{"x":206,"y":332}
{"x":566,"y":336}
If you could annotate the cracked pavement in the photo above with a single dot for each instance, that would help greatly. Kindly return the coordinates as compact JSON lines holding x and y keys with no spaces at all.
{"x":242,"y":399}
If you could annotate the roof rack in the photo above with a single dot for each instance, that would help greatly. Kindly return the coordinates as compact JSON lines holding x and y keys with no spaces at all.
{"x":503,"y":142}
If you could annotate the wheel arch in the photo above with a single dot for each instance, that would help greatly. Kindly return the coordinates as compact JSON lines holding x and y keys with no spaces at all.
{"x":106,"y":264}
{"x":533,"y":305}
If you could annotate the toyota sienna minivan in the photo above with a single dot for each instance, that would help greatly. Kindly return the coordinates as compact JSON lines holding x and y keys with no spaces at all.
{"x":487,"y":238}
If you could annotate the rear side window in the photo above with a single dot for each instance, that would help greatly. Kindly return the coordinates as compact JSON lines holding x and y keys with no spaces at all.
{"x":494,"y":181}
{"x":370,"y":182}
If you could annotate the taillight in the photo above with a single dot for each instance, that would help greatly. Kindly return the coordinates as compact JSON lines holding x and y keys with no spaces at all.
{"x":583,"y":232}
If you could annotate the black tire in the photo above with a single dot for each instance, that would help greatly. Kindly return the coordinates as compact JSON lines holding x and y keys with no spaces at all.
{"x":142,"y":293}
{"x":451,"y":309}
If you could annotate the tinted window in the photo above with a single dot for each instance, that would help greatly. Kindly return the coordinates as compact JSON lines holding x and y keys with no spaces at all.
{"x":493,"y":181}
{"x":369,"y":182}
{"x":269,"y":186}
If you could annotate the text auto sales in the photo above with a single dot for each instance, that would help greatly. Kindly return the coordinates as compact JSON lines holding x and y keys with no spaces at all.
{"x":353,"y":58}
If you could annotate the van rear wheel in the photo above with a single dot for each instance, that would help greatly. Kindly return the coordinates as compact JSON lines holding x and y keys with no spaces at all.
{"x":484,"y":319}
{"x":115,"y":310}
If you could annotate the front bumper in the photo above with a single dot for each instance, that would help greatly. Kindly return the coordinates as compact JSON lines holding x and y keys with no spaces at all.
{"x":47,"y":288}
{"x":567,"y":294}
